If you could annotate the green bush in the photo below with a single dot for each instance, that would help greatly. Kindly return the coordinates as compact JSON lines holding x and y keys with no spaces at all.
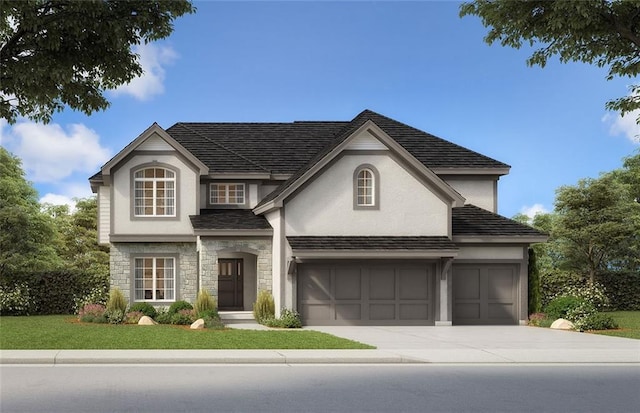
{"x":596,"y":321}
{"x":264,"y":308}
{"x":114,"y":316}
{"x":179,"y":305}
{"x":92,"y":313}
{"x":204,"y":302}
{"x":116,"y":302}
{"x":288,"y":319}
{"x":145,"y":308}
{"x":623,"y":289}
{"x":15,"y":300}
{"x":183,"y":317}
{"x":163,"y":316}
{"x":560,"y":306}
{"x":554,"y":284}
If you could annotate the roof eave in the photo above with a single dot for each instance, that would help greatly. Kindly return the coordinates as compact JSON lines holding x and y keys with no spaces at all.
{"x":499,"y":239}
{"x":472,"y":171}
{"x":370,"y":254}
{"x":233,"y":232}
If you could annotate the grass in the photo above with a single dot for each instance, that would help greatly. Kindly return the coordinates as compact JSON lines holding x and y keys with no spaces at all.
{"x":60,"y":332}
{"x":629,"y":322}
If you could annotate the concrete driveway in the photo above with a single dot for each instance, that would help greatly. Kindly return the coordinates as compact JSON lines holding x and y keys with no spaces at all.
{"x":492,"y":344}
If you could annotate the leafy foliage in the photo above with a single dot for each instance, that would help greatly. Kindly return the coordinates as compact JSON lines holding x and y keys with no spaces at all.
{"x":604,"y":33}
{"x":534,"y":283}
{"x":561,"y":306}
{"x":56,"y":53}
{"x":15,"y":300}
{"x":179,"y":305}
{"x":264,"y":308}
{"x":183,"y":317}
{"x":205,"y":303}
{"x":288,"y":319}
{"x":117,"y":302}
{"x":93,"y":313}
{"x":25,"y":232}
{"x":145,"y":308}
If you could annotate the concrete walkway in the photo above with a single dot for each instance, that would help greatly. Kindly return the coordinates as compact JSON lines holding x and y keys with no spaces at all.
{"x":485,"y":344}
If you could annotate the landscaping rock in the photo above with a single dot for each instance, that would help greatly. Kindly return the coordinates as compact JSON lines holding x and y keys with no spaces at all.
{"x":146,"y":321}
{"x":198,"y":324}
{"x":562,"y":324}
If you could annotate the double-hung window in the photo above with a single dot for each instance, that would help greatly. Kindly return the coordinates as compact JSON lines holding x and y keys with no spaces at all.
{"x":154,"y":192}
{"x":227,"y":194}
{"x":155,"y":279}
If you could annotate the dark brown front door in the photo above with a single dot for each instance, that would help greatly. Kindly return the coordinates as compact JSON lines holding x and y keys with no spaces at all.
{"x":230,"y":272}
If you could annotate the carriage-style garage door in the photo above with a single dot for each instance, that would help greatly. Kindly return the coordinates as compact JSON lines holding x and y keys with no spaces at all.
{"x":485,"y":294}
{"x":366,"y":293}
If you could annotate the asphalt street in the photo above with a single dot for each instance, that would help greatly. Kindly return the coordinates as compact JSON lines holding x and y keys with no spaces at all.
{"x":319,"y":388}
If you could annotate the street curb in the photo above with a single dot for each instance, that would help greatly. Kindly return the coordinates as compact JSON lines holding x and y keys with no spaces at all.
{"x":78,"y":357}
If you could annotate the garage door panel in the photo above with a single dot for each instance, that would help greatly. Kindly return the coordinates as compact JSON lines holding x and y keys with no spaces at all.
{"x":382,"y":312}
{"x":348,"y":311}
{"x":466,"y":311}
{"x":382,"y":283}
{"x":500,"y":284}
{"x":414,"y":284}
{"x":414,"y":311}
{"x":348,"y":283}
{"x":317,"y":284}
{"x":500,"y":311}
{"x":466,"y":285}
{"x":385,"y":293}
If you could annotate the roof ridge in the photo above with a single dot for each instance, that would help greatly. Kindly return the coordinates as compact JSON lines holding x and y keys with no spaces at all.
{"x":205,"y":137}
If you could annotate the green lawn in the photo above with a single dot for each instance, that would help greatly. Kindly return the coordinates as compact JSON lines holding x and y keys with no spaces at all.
{"x":64,"y":332}
{"x":629,"y":322}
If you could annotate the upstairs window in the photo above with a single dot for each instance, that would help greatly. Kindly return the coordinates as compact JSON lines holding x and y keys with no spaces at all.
{"x":154,"y":192}
{"x":365,"y":188}
{"x":227,"y":194}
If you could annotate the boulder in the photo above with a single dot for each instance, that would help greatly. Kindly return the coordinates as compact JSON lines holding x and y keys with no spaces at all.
{"x":198,"y":324}
{"x":146,"y":321}
{"x":562,"y":324}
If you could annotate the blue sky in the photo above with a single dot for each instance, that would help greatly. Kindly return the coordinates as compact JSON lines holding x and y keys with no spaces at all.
{"x":416,"y":62}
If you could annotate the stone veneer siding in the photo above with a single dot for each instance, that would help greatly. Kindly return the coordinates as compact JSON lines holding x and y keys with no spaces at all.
{"x":121,"y":266}
{"x":209,"y":247}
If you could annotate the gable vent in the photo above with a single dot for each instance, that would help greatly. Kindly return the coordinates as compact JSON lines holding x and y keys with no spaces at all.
{"x":366,"y":142}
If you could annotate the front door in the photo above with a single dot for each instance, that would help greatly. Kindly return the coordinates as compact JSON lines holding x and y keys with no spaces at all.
{"x":230,"y":272}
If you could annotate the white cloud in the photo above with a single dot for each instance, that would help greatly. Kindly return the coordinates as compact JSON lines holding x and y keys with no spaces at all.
{"x":50,"y":154}
{"x":152,"y":58}
{"x":532,"y":210}
{"x":66,"y":194}
{"x":624,"y":125}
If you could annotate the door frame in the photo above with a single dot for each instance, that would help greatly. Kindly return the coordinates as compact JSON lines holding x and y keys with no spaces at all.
{"x":237,"y":274}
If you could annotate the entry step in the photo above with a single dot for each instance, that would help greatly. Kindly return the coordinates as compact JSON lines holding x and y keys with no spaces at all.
{"x":237,"y":316}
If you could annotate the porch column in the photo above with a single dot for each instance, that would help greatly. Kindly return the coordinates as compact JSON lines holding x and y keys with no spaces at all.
{"x":445,"y":292}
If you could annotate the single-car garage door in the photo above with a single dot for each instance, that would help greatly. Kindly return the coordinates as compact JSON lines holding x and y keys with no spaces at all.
{"x":366,"y":293}
{"x":485,"y":294}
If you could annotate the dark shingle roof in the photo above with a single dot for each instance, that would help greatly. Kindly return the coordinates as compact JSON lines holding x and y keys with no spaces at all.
{"x":288,"y":147}
{"x":228,"y":219}
{"x":370,"y":243}
{"x":471,"y":220}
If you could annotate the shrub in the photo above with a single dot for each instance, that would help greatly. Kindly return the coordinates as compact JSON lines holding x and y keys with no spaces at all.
{"x":179,"y":305}
{"x":92,"y":313}
{"x":554,"y":284}
{"x":537,"y":319}
{"x":114,"y":316}
{"x":288,"y":319}
{"x":15,"y":300}
{"x":145,"y":308}
{"x":264,"y":308}
{"x":183,"y":317}
{"x":116,"y":302}
{"x":596,"y":321}
{"x":204,"y":302}
{"x":132,"y":317}
{"x":623,"y":289}
{"x":163,"y":316}
{"x":593,"y":293}
{"x":560,"y":306}
{"x":97,"y":295}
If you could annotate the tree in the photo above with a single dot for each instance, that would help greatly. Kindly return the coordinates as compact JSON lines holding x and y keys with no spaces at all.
{"x":600,"y":32}
{"x":25,"y":232}
{"x":597,"y":225}
{"x":59,"y":52}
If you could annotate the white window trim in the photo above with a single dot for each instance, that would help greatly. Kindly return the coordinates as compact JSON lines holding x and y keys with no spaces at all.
{"x":226,"y":193}
{"x":154,"y":288}
{"x":155,"y":198}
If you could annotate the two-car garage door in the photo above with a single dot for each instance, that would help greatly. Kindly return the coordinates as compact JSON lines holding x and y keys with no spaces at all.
{"x":364,"y":293}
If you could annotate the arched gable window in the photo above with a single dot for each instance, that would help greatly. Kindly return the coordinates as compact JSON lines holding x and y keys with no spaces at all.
{"x":154,"y":192}
{"x":366,"y":188}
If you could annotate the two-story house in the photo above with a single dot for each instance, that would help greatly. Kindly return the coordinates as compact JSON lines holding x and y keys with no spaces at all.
{"x":367,"y":221}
